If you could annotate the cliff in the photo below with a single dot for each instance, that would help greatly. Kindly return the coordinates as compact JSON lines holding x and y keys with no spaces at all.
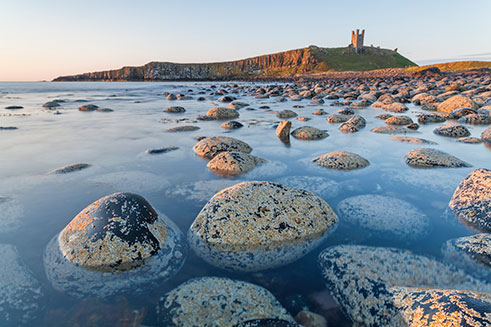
{"x":288,"y":63}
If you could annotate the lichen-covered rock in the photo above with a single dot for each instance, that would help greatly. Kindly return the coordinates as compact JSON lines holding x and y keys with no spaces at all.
{"x":211,"y":146}
{"x":175,"y":109}
{"x":253,"y":226}
{"x":399,"y":120}
{"x":341,"y":160}
{"x":471,"y":201}
{"x":268,"y":322}
{"x":222,"y":113}
{"x":408,"y":139}
{"x":283,"y":131}
{"x":456,"y":102}
{"x":452,"y":131}
{"x":20,"y":292}
{"x":285,"y":114}
{"x":486,"y":135}
{"x":476,"y":119}
{"x":309,"y":133}
{"x":213,"y":302}
{"x":116,"y":244}
{"x":432,"y":158}
{"x":231,"y":124}
{"x":233,"y":163}
{"x":338,"y":118}
{"x":178,"y":129}
{"x":470,"y":253}
{"x":440,"y":307}
{"x":70,"y":168}
{"x":360,"y":278}
{"x":392,"y":130}
{"x":430,"y":118}
{"x":385,"y":216}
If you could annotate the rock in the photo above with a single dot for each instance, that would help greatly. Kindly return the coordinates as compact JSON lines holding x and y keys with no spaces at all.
{"x":471,"y":201}
{"x":302,"y":118}
{"x":452,"y":131}
{"x":70,"y":168}
{"x":462,"y":112}
{"x":7,"y":128}
{"x":309,"y":133}
{"x":226,"y":98}
{"x":232,"y":124}
{"x":384,"y":116}
{"x":337,"y":118}
{"x":385,"y":216}
{"x":414,"y":140}
{"x":175,"y":109}
{"x":395,"y":107}
{"x":14,"y":107}
{"x":413,"y":126}
{"x":456,"y":102}
{"x":476,"y":119}
{"x":486,"y":135}
{"x":471,"y":254}
{"x":341,"y":160}
{"x":430,"y":118}
{"x":187,"y":128}
{"x":211,"y":146}
{"x":11,"y":214}
{"x":51,"y":104}
{"x":399,"y":120}
{"x":267,"y":322}
{"x":205,"y":118}
{"x":101,"y":110}
{"x":432,"y":158}
{"x":88,"y":107}
{"x":285,"y":114}
{"x":360,"y":278}
{"x":233,"y":163}
{"x":392,"y":130}
{"x":214,"y":301}
{"x":353,"y":125}
{"x":283,"y":131}
{"x":469,"y":140}
{"x":171,"y":97}
{"x":429,"y":107}
{"x":440,"y":307}
{"x":117,"y":244}
{"x":348,"y":128}
{"x":346,"y":111}
{"x":237,"y":105}
{"x":319,"y":112}
{"x":310,"y":319}
{"x":20,"y":293}
{"x":277,"y":224}
{"x":162,"y":150}
{"x":183,"y":97}
{"x":222,"y":113}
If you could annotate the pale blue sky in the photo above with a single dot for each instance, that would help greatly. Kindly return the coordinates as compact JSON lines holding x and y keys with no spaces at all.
{"x":42,"y":39}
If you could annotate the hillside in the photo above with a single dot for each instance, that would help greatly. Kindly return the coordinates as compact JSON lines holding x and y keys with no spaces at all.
{"x":455,"y":66}
{"x":288,"y":63}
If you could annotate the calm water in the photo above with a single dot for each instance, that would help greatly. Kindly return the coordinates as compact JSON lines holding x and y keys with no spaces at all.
{"x":178,"y":183}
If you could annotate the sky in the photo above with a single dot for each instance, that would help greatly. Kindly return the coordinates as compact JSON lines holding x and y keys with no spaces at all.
{"x":43,"y":39}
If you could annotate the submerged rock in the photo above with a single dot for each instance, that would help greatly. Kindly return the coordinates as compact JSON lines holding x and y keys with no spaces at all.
{"x":432,"y":158}
{"x":175,"y":109}
{"x":232,"y":124}
{"x":285,"y":114}
{"x":408,"y":139}
{"x":309,"y":133}
{"x":117,"y":244}
{"x":341,"y":160}
{"x":162,"y":150}
{"x":277,"y":225}
{"x":392,"y":130}
{"x":452,"y":131}
{"x":211,"y":146}
{"x":222,"y":113}
{"x":20,"y":293}
{"x":187,"y":128}
{"x":283,"y":131}
{"x":385,"y":216}
{"x":360,"y":278}
{"x":471,"y":201}
{"x":70,"y":168}
{"x":11,"y":213}
{"x":471,"y":254}
{"x":233,"y":163}
{"x":214,"y":301}
{"x":7,"y":128}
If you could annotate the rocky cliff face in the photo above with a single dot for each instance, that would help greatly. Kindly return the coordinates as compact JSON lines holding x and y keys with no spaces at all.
{"x":296,"y":61}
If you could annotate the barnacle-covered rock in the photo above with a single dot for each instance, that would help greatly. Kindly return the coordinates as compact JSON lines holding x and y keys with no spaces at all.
{"x":20,"y":292}
{"x":385,"y":216}
{"x":233,"y":163}
{"x":341,"y":160}
{"x":471,"y":253}
{"x":214,"y":301}
{"x":116,"y":244}
{"x":253,"y":226}
{"x":471,"y":201}
{"x":452,"y":131}
{"x":309,"y":133}
{"x":211,"y":146}
{"x":432,"y":158}
{"x":222,"y":113}
{"x":360,"y":278}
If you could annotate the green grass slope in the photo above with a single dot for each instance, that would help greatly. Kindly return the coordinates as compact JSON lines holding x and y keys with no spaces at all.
{"x":455,"y":66}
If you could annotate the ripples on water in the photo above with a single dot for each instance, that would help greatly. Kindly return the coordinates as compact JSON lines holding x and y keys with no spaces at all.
{"x":36,"y":205}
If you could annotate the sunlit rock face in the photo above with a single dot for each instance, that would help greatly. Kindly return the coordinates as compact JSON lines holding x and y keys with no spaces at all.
{"x":115,"y":244}
{"x":456,"y":102}
{"x":214,"y":301}
{"x":254,"y":226}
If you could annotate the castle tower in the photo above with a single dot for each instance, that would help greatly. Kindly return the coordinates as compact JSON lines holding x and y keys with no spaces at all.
{"x":357,"y":40}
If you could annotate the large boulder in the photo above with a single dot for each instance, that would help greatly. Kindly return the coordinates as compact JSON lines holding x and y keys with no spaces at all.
{"x":432,"y":158}
{"x":253,"y":226}
{"x":385,"y":217}
{"x":456,"y":102}
{"x":233,"y":163}
{"x":214,"y":301}
{"x":471,"y":201}
{"x":211,"y":146}
{"x":341,"y":160}
{"x":117,"y":244}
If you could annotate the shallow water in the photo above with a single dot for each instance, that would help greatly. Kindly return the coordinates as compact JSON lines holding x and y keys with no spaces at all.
{"x":178,"y":183}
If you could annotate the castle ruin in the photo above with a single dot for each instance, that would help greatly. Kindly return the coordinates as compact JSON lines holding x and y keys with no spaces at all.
{"x":357,"y":40}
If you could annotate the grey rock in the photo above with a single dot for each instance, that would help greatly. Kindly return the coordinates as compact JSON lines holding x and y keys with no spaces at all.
{"x":175,"y":109}
{"x":309,"y":133}
{"x":211,"y":146}
{"x":232,"y":124}
{"x":432,"y":158}
{"x":452,"y":131}
{"x":162,"y":150}
{"x":187,"y":128}
{"x":233,"y":163}
{"x":70,"y":168}
{"x":341,"y":160}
